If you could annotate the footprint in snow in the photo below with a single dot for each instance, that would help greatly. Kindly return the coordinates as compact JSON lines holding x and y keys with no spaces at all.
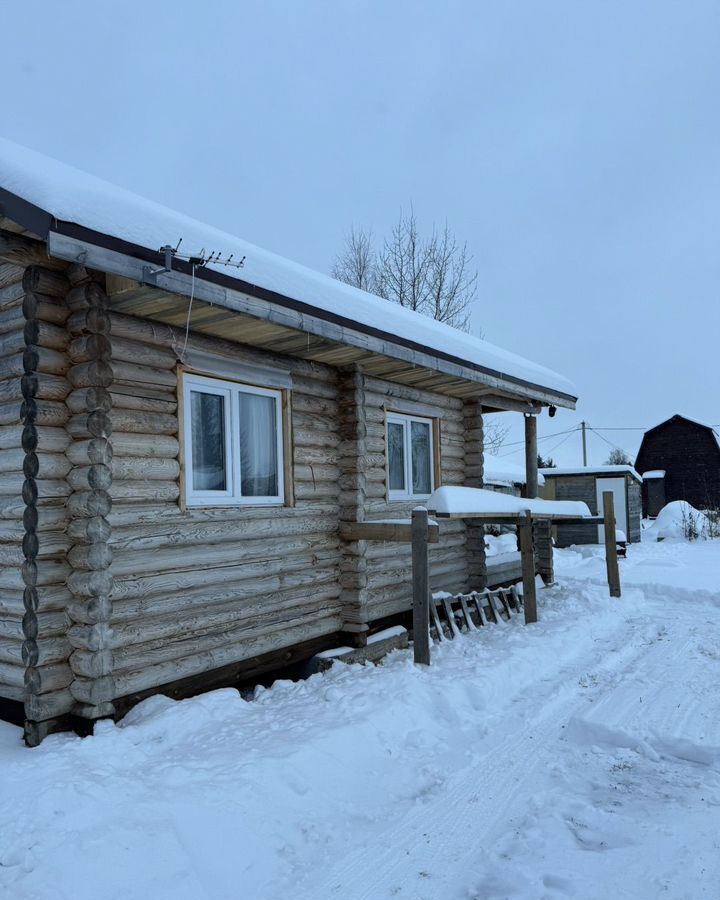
{"x":597,"y":836}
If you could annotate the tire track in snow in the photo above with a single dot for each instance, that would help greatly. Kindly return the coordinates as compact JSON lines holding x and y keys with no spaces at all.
{"x":659,"y":706}
{"x":476,"y":804}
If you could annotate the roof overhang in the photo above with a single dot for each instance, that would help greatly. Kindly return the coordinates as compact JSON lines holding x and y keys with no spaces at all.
{"x":289,"y":325}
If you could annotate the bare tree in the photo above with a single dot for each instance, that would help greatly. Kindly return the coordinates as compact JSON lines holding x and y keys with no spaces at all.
{"x":452,"y":282}
{"x":357,"y":264}
{"x":431,"y":275}
{"x":494,"y":434}
{"x":618,"y":457}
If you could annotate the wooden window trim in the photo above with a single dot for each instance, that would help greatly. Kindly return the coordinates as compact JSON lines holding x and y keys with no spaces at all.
{"x":285,"y":496}
{"x":407,"y":496}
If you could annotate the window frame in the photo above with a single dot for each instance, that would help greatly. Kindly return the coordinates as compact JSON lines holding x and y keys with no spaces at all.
{"x":231,"y":391}
{"x":406,"y":419}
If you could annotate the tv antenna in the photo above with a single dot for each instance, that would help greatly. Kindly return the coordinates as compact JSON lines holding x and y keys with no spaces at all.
{"x":197,"y":260}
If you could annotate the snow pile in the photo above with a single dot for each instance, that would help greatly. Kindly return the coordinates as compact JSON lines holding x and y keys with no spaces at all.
{"x":579,"y":757}
{"x":499,"y":546}
{"x":502,"y":473}
{"x":678,"y":521}
{"x":71,"y":195}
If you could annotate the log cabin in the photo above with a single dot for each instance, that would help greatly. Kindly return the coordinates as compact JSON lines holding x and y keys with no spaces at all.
{"x":188,"y":440}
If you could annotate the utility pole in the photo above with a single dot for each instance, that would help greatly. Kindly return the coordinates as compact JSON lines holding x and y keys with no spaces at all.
{"x":584,"y":440}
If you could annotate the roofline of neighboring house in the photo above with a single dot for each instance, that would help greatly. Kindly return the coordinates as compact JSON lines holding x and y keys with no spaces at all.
{"x":599,"y":471}
{"x":44,"y":225}
{"x":685,"y":419}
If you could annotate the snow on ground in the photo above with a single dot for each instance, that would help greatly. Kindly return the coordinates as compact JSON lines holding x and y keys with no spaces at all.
{"x":579,"y":757}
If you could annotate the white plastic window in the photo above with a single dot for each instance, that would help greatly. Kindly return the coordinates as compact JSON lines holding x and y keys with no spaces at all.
{"x":233,"y":443}
{"x":409,"y":457}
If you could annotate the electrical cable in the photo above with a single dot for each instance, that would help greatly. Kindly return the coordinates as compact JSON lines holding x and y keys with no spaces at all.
{"x":609,"y":443}
{"x":544,"y":437}
{"x":560,"y":443}
{"x":190,"y":305}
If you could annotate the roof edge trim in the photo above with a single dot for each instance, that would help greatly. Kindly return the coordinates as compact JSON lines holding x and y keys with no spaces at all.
{"x":220,"y":279}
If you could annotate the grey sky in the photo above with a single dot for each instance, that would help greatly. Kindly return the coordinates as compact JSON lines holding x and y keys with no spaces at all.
{"x":575,"y":145}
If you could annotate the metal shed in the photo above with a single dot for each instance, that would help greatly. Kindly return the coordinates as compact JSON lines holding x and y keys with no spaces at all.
{"x":588,"y":484}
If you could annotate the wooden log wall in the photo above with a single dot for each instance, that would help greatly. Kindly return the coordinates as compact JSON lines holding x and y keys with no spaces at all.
{"x":108,"y":587}
{"x":474,"y":469}
{"x":356,"y":465}
{"x":12,"y":506}
{"x":34,"y":648}
{"x":388,"y":566}
{"x":90,"y":479}
{"x":202,"y":588}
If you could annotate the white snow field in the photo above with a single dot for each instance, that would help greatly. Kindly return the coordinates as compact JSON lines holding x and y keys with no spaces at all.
{"x":579,"y":757}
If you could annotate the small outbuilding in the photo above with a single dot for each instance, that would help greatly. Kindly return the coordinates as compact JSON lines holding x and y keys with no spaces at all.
{"x":679,"y":460}
{"x":588,"y":484}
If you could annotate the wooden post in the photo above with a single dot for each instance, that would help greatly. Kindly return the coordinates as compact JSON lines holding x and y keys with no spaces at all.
{"x":542,"y":531}
{"x":531,"y":467}
{"x":527,"y":558}
{"x":421,"y":586}
{"x":611,"y":560}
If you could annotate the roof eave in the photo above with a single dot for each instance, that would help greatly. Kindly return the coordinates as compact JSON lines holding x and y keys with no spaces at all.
{"x":69,"y":241}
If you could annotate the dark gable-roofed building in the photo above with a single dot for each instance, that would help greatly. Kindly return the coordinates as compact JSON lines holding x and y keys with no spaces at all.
{"x":688,"y":454}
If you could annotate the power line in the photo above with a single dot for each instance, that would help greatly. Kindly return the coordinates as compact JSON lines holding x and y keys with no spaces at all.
{"x":543,"y":438}
{"x":609,"y":443}
{"x":561,"y":442}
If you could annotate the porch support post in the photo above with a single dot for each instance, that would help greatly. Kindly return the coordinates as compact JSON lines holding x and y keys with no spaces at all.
{"x":531,"y":466}
{"x":421,"y":586}
{"x":527,"y":559}
{"x":542,"y":530}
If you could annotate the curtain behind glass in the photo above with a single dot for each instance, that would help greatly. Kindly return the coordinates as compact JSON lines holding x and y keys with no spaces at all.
{"x":420,"y":443}
{"x":207,"y":417}
{"x":396,"y":456}
{"x":258,"y":446}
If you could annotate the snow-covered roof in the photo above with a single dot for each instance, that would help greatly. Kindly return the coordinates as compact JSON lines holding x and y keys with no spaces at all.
{"x":501,"y":472}
{"x":69,"y":195}
{"x":593,"y":470}
{"x":459,"y":501}
{"x":654,"y":473}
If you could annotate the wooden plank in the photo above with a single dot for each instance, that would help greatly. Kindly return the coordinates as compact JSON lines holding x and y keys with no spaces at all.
{"x":611,"y":560}
{"x":421,"y":587}
{"x":501,"y":402}
{"x":527,"y":558}
{"x":514,"y":517}
{"x":386,"y":531}
{"x":26,"y":252}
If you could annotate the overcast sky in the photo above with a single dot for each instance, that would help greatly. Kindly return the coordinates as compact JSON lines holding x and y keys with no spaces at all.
{"x":574,"y":145}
